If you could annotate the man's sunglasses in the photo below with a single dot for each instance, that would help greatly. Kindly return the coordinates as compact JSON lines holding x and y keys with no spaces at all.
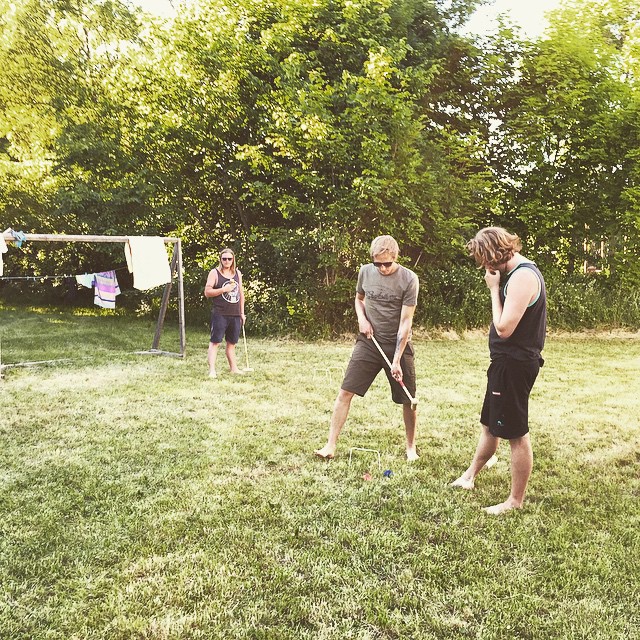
{"x":382,"y":264}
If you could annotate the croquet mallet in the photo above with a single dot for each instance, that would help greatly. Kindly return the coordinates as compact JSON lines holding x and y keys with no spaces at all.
{"x":414,"y":401}
{"x":246,"y":353}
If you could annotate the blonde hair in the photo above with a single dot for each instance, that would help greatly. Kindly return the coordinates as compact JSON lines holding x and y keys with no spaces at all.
{"x":384,"y":244}
{"x":233,"y":263}
{"x":493,"y":246}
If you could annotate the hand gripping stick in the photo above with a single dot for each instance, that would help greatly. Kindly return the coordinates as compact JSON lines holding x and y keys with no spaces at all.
{"x":414,"y":401}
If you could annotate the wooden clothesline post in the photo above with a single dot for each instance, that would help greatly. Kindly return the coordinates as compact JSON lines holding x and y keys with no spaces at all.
{"x":175,"y":269}
{"x":176,"y":265}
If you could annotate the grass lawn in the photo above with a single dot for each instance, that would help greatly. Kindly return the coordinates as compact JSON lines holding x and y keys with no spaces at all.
{"x":139,"y":499}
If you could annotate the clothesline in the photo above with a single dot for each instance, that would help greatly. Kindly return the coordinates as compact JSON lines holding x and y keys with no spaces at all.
{"x":146,"y":259}
{"x":61,"y":237}
{"x":146,"y":255}
{"x":73,"y":275}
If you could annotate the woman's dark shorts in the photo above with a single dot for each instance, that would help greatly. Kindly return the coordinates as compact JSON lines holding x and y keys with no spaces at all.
{"x":506,"y":403}
{"x":366,"y":362}
{"x":227,"y":327}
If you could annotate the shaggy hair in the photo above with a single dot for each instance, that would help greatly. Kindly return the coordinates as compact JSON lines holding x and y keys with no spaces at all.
{"x":384,"y":244}
{"x":493,"y":247}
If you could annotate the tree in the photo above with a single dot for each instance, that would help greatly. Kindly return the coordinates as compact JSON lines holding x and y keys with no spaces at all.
{"x":309,"y":126}
{"x":566,"y":148}
{"x":69,"y":164}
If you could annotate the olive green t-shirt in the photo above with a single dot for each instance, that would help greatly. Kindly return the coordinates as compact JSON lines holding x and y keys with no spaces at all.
{"x":384,"y":297}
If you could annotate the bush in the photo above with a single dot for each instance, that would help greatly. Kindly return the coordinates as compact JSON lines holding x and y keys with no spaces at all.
{"x":592,"y":302}
{"x":454,"y":298}
{"x":458,"y":298}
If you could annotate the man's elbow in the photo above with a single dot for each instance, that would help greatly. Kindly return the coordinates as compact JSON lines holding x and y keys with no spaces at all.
{"x":504,"y":332}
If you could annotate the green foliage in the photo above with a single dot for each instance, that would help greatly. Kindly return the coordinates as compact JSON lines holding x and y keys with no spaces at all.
{"x":297,"y":131}
{"x":309,"y":130}
{"x":592,"y":302}
{"x":565,"y":150}
{"x":454,"y":298}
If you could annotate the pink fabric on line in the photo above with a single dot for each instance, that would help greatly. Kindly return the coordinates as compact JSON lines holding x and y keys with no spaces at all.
{"x":106,"y":289}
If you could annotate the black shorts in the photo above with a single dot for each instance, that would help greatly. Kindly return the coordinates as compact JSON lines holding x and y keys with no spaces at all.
{"x":227,"y":327}
{"x":505,"y":411}
{"x":366,"y":362}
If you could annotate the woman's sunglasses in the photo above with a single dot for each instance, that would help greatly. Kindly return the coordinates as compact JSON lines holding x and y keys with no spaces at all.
{"x":225,"y":259}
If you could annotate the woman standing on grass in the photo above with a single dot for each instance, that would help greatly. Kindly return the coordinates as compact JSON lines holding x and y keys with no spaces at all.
{"x":224,"y":285}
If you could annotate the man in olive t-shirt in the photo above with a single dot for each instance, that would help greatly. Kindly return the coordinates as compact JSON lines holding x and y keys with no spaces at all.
{"x":386,"y":298}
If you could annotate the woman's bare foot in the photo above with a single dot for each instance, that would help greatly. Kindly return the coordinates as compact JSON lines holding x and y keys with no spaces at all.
{"x":212,"y":373}
{"x":326,"y":452}
{"x":503,"y":507}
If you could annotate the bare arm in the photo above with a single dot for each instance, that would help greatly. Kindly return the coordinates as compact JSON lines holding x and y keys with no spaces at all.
{"x":210,"y":287}
{"x":404,"y":331}
{"x":523,"y":288}
{"x":210,"y":290}
{"x":364,"y":326}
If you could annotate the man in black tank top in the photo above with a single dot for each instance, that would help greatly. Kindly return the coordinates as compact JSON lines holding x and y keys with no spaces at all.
{"x":516,"y":339}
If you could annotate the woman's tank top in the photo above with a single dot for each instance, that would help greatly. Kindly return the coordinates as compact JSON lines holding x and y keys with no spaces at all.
{"x":227,"y":304}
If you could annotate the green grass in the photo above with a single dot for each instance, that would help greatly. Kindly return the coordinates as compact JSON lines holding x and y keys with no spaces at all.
{"x":138,"y":499}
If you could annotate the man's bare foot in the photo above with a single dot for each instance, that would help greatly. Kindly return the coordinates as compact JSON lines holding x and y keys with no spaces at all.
{"x":237,"y":372}
{"x":212,"y":373}
{"x":325,"y":453}
{"x":412,"y":455}
{"x":503,"y":507}
{"x":464,"y":483}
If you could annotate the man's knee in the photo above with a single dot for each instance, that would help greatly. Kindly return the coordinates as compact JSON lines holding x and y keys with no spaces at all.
{"x":344,"y":397}
{"x":522,"y":441}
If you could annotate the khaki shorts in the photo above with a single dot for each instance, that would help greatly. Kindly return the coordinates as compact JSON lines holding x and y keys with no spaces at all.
{"x":366,"y":362}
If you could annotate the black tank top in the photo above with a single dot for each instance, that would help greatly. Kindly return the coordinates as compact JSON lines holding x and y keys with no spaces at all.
{"x":527,"y":341}
{"x":227,"y":304}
